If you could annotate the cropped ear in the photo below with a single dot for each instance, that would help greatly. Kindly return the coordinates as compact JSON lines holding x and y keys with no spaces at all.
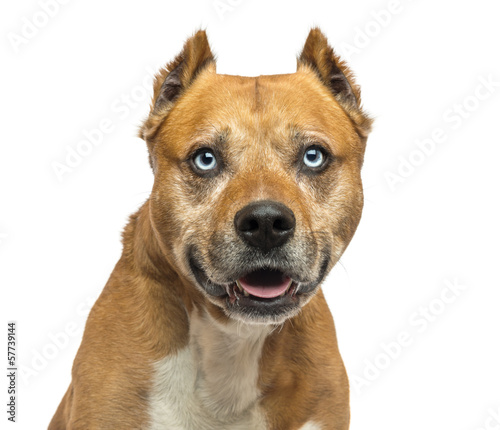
{"x":334,"y":73}
{"x":171,"y":81}
{"x":318,"y":55}
{"x":178,"y":74}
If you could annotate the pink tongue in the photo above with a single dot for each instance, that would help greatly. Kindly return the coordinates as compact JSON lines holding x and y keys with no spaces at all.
{"x":265,"y":291}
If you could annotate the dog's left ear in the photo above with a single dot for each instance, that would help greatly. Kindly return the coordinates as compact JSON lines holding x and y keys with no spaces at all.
{"x":319,"y":56}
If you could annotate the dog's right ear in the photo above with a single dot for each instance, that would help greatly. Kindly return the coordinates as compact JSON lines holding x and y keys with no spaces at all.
{"x":175,"y":78}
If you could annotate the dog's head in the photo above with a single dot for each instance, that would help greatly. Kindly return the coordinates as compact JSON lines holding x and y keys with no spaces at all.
{"x":257,"y":186}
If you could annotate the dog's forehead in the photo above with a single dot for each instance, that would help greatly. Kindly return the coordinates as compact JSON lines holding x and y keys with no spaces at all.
{"x":259,"y":110}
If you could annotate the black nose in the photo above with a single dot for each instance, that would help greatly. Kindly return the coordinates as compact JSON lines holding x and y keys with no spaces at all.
{"x":265,"y":224}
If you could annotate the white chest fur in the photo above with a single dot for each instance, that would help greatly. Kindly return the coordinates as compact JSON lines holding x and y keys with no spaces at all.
{"x":211,"y":384}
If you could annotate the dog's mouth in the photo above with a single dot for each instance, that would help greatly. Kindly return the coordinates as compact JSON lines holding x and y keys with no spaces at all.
{"x":262,"y":285}
{"x":260,"y":295}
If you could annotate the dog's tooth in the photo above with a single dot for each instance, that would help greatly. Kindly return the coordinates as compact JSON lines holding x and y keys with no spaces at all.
{"x":239,"y":286}
{"x":245,"y":293}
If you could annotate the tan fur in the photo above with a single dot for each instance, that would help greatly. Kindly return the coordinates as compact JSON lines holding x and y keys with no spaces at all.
{"x":151,"y":308}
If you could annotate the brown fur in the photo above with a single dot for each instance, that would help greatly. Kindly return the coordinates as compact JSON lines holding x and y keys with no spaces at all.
{"x":257,"y":123}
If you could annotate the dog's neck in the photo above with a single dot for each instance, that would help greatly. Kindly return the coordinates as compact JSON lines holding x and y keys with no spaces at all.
{"x":229,"y":356}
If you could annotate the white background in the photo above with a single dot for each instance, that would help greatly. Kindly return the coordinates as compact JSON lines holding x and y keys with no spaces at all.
{"x":436,"y":227}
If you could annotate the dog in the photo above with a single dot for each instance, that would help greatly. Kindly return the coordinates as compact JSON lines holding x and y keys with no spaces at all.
{"x":214,"y":318}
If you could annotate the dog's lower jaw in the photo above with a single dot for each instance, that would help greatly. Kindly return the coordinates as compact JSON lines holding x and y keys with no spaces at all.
{"x":242,"y":306}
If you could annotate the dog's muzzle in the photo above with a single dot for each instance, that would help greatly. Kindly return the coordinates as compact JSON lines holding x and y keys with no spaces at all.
{"x":266,"y":286}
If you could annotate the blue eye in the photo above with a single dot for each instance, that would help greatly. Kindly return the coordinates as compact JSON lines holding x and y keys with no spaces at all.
{"x":314,"y":157}
{"x":205,"y":160}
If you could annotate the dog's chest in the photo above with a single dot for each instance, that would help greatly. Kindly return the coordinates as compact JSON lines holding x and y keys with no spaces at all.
{"x":211,"y":383}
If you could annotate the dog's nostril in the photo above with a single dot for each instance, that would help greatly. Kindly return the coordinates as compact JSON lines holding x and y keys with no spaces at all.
{"x":282,"y":224}
{"x":265,"y":224}
{"x":249,"y":225}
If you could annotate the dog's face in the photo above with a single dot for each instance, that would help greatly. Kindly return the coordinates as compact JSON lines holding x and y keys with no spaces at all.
{"x":257,"y":187}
